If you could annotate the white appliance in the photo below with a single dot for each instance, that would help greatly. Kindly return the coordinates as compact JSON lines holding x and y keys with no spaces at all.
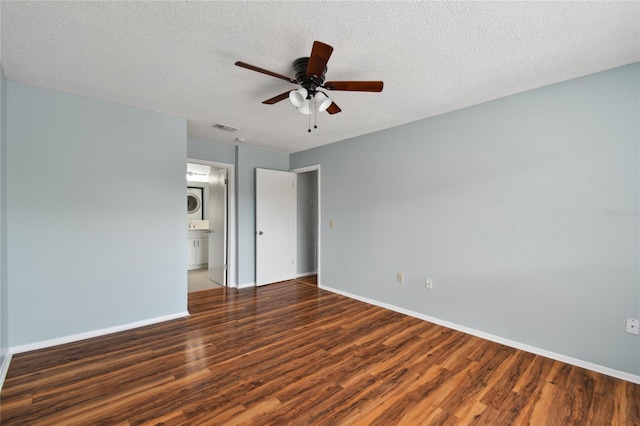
{"x":194,"y":204}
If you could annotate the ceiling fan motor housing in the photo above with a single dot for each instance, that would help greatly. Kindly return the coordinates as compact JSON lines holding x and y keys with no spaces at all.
{"x":309,"y":82}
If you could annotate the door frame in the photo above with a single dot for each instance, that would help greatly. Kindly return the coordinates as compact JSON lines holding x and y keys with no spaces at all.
{"x":313,"y":168}
{"x":231,"y":215}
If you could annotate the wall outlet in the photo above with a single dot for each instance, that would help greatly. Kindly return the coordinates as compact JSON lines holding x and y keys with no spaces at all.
{"x":400,"y":277}
{"x":428,"y":284}
{"x":633,"y":326}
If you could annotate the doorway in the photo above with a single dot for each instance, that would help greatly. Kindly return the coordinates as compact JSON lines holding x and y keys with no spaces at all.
{"x":308,"y":224}
{"x":210,"y":230}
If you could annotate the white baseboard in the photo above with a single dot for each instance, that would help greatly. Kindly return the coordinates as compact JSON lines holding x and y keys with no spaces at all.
{"x":4,"y":368}
{"x":90,"y":334}
{"x":507,"y":342}
{"x":306,"y":274}
{"x":246,"y":285}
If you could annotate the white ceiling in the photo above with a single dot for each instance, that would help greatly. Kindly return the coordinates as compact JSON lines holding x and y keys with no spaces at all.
{"x":434,"y":57}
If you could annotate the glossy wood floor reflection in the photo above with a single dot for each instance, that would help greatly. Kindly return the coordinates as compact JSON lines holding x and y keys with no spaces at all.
{"x":293,"y":354}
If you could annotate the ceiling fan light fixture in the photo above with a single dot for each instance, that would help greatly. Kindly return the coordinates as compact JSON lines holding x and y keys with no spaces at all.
{"x":298,"y":97}
{"x":323,"y":101}
{"x":304,"y":108}
{"x":310,"y":74}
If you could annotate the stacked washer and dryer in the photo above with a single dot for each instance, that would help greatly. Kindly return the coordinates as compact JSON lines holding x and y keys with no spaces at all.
{"x":194,"y":204}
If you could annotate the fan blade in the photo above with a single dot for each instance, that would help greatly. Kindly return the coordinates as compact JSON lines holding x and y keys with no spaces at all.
{"x":267,"y":72}
{"x":275,"y":99}
{"x":320,"y":54}
{"x":333,"y":108}
{"x":354,"y":86}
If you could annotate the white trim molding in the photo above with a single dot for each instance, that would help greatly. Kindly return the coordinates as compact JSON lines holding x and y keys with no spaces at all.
{"x":497,"y":339}
{"x":96,"y":333}
{"x":4,"y":368}
{"x":306,"y":274}
{"x":246,"y":285}
{"x":315,"y":167}
{"x":231,"y":215}
{"x":306,"y":169}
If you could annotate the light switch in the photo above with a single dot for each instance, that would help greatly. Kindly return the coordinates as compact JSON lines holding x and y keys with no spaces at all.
{"x":332,"y":224}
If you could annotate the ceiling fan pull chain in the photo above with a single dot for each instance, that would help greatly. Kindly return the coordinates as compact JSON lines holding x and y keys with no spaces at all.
{"x":309,"y":123}
{"x":315,"y":113}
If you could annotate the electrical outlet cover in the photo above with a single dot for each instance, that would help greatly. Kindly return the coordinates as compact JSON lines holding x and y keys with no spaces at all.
{"x":633,"y":326}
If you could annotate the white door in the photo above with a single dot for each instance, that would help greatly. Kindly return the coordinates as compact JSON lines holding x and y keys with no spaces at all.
{"x":218,"y":225}
{"x":275,"y":226}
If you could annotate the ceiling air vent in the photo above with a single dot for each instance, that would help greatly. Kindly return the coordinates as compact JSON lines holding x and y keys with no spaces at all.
{"x":224,"y":127}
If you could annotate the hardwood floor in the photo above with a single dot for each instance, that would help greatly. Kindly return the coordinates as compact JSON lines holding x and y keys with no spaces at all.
{"x":309,"y":279}
{"x":293,"y":354}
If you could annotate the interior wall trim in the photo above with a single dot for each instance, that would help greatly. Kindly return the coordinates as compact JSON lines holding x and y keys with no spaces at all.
{"x":318,"y":169}
{"x":246,"y":285}
{"x":231,"y":215}
{"x":4,"y":368}
{"x":95,"y":333}
{"x":497,"y":339}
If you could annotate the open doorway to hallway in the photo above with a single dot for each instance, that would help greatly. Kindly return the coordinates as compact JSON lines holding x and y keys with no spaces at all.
{"x":308,"y":212}
{"x":210,"y":225}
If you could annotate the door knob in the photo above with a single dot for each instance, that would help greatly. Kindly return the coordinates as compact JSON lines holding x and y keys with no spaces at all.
{"x":260,"y":232}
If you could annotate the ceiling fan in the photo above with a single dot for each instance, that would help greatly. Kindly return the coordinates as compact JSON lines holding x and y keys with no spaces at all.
{"x":310,"y":74}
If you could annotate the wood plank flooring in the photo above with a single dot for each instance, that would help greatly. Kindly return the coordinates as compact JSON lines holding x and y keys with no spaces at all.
{"x":293,"y":354}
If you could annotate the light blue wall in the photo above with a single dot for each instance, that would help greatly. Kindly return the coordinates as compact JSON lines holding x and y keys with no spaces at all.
{"x":509,"y":207}
{"x":307,"y":222}
{"x":4,"y":307}
{"x":95,"y":210}
{"x":247,"y":160}
{"x":210,"y":151}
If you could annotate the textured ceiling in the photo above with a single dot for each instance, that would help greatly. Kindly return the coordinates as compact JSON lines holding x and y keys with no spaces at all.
{"x":434,"y":57}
